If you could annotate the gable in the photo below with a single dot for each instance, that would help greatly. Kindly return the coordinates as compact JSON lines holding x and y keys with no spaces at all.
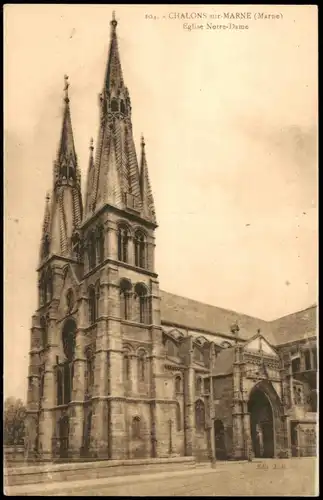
{"x":259,"y":344}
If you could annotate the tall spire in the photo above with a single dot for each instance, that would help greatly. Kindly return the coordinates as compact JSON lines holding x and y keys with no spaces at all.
{"x":45,"y":238}
{"x":46,"y":222}
{"x":66,"y":209}
{"x":66,"y":162}
{"x":145,"y":189}
{"x":90,"y":172}
{"x":116,"y":171}
{"x":113,"y":76}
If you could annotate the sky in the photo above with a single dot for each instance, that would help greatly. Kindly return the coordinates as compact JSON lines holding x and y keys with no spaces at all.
{"x":230,"y":125}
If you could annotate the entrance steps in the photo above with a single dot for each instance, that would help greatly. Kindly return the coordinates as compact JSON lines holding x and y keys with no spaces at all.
{"x":49,"y":473}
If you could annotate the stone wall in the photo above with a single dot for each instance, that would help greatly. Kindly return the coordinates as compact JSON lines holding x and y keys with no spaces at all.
{"x":223,"y":399}
{"x":14,"y":454}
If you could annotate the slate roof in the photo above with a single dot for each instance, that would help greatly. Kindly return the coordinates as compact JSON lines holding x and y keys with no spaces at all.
{"x":191,"y":314}
{"x":296,"y":326}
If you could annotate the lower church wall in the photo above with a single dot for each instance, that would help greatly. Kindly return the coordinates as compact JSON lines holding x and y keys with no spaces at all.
{"x":307,"y":436}
{"x":200,"y":449}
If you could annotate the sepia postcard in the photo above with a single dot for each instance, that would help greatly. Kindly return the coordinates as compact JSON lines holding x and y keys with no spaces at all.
{"x":161,"y":250}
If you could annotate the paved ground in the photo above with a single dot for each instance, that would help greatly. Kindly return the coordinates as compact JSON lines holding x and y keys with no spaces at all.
{"x":295,"y":476}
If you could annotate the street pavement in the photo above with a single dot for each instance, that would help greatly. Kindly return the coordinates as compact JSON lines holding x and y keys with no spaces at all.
{"x":285,"y":477}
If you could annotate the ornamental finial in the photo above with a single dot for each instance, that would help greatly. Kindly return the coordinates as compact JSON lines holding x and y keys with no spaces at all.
{"x":114,"y":22}
{"x":142,"y":141}
{"x":66,"y":87}
{"x":91,"y":144}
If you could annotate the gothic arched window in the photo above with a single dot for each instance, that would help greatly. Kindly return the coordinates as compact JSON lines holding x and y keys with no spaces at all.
{"x":100,"y":243}
{"x":114,"y":105}
{"x":68,"y":337}
{"x":140,"y":249}
{"x":89,"y":371}
{"x":49,"y":285}
{"x":122,"y":107}
{"x":41,"y":287}
{"x":127,"y":366}
{"x":59,"y":385}
{"x":76,"y":246}
{"x":199,"y":415}
{"x":97,"y":299}
{"x":46,"y":246}
{"x":178,"y":418}
{"x":92,"y":250}
{"x":125,"y":295}
{"x":178,"y":384}
{"x":123,"y":241}
{"x":142,"y":366}
{"x":198,"y":386}
{"x":142,"y":304}
{"x":136,"y":428}
{"x":44,"y":332}
{"x":92,"y":305}
{"x":41,"y":383}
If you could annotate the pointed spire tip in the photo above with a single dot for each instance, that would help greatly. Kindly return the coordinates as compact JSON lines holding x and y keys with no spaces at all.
{"x":66,"y":87}
{"x":113,"y":21}
{"x":91,"y":144}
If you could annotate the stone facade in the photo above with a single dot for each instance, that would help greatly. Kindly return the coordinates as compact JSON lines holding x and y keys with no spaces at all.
{"x":121,"y":370}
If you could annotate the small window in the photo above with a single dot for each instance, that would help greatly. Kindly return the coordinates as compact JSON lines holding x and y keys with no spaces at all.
{"x":178,"y":418}
{"x":125,"y":299}
{"x":136,"y":428}
{"x":142,"y":366}
{"x":127,"y":366}
{"x":199,"y":415}
{"x":92,"y":306}
{"x":122,"y":107}
{"x":123,"y":241}
{"x":198,"y":386}
{"x":178,"y":384}
{"x":140,"y":249}
{"x":114,"y":105}
{"x":100,"y":243}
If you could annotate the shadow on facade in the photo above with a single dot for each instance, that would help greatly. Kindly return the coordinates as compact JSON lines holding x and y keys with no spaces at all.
{"x":261,"y":423}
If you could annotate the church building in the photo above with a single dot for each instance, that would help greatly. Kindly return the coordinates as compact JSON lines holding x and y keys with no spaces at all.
{"x":119,"y":369}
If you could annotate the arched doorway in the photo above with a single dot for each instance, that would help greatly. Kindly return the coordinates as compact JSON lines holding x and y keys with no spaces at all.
{"x":219,"y":436}
{"x":262,"y":424}
{"x":63,"y":437}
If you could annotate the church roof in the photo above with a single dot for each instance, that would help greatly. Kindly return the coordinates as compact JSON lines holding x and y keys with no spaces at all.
{"x":297,"y":326}
{"x":191,"y":314}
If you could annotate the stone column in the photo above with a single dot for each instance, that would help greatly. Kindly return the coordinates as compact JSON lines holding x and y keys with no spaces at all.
{"x":247,"y":434}
{"x":131,"y":251}
{"x":76,"y":419}
{"x":189,"y":418}
{"x":302,"y":367}
{"x":111,"y":241}
{"x":312,"y":359}
{"x":116,"y":412}
{"x":237,"y":407}
{"x":99,"y":426}
{"x":156,"y":387}
{"x":47,"y":416}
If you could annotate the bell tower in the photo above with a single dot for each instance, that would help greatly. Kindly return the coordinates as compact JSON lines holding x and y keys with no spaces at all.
{"x":120,"y":208}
